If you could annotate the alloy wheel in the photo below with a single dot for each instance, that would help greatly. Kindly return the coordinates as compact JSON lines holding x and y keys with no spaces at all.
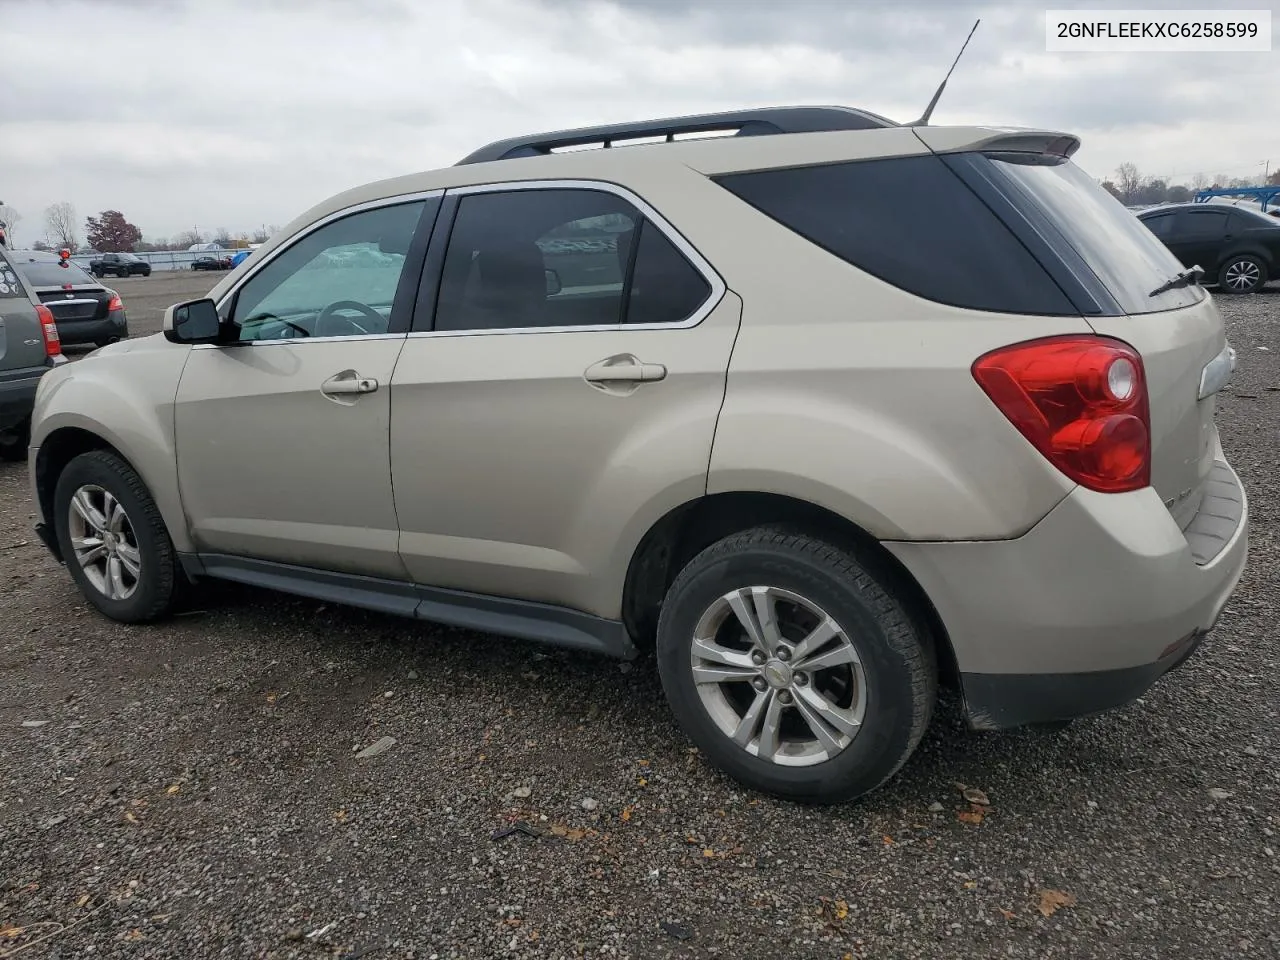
{"x":104,"y":542}
{"x":1242,"y":275}
{"x":778,"y":676}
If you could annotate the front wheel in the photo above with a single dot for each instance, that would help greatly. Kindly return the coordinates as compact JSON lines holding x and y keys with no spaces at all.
{"x":113,"y":539}
{"x":797,"y":666}
{"x":1242,"y":274}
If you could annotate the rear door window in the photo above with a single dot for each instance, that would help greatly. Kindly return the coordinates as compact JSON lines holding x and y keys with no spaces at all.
{"x":562,"y":258}
{"x":911,"y":222}
{"x":1204,"y":224}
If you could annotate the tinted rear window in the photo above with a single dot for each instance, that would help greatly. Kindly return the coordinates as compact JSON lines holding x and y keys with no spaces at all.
{"x":53,"y":275}
{"x":1125,"y":256}
{"x":10,"y":286}
{"x":913,"y":223}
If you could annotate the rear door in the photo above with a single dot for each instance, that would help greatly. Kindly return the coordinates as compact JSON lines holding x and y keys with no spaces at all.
{"x":562,"y":398}
{"x":1200,"y":237}
{"x":21,"y":341}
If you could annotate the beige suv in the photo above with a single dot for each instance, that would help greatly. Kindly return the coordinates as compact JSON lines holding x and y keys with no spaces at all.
{"x":829,"y":411}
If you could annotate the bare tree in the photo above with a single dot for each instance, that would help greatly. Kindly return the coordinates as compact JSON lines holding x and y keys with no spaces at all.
{"x":1199,"y":182}
{"x":222,"y":237}
{"x":186,"y":239}
{"x":9,"y":220}
{"x":60,"y":222}
{"x":1128,"y":181}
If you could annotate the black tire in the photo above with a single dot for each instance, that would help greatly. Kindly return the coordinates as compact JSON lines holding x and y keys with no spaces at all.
{"x":1242,"y":273}
{"x":157,"y":585}
{"x":14,"y":442}
{"x":859,"y":593}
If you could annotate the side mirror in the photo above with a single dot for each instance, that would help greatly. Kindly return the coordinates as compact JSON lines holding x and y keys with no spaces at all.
{"x":195,"y":321}
{"x":553,"y":283}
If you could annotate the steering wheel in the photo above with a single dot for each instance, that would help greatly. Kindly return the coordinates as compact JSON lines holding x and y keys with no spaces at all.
{"x":263,"y":318}
{"x":330,"y":313}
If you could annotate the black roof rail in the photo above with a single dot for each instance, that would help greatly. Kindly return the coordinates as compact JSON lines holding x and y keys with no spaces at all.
{"x":765,"y":121}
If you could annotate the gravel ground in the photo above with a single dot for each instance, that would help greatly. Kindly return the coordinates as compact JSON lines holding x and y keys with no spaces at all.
{"x":193,"y":790}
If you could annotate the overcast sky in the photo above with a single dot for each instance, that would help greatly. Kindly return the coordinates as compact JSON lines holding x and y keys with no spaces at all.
{"x":238,"y":113}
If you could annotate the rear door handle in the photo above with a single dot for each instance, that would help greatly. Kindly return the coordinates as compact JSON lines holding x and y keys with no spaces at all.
{"x":348,"y":382}
{"x":625,"y":367}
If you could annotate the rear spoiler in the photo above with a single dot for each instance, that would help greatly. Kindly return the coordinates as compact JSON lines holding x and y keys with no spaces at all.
{"x":997,"y":139}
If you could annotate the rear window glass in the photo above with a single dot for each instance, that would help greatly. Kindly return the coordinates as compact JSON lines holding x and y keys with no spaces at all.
{"x":10,"y":286}
{"x":1128,"y":259}
{"x":53,"y":275}
{"x":911,"y":222}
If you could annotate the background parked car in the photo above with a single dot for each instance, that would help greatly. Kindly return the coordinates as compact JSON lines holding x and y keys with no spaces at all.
{"x":211,"y":263}
{"x":28,"y":347}
{"x":84,"y":310}
{"x":120,"y":264}
{"x":1238,"y":248}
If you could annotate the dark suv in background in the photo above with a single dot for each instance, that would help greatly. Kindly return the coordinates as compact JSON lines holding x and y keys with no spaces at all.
{"x":121,"y":264}
{"x":1238,"y":248}
{"x":29,"y":347}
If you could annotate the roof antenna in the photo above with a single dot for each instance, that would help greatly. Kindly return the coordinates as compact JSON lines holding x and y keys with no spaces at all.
{"x":928,"y":112}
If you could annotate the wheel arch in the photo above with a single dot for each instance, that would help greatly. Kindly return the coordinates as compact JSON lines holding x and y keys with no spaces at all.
{"x":686,"y":530}
{"x":66,"y":441}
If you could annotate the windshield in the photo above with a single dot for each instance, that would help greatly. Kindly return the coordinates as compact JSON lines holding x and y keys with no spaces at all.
{"x":52,"y":275}
{"x":1127,"y":258}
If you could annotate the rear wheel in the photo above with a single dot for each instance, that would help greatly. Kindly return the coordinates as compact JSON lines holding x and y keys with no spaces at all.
{"x":1242,"y":274}
{"x":796,"y":666}
{"x":113,"y":539}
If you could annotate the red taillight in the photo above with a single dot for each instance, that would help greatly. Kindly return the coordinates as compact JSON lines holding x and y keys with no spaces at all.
{"x":115,"y":303}
{"x":49,"y":330}
{"x":1081,"y":401}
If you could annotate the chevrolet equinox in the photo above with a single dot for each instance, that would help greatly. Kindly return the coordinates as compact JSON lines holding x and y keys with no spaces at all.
{"x":826,"y":409}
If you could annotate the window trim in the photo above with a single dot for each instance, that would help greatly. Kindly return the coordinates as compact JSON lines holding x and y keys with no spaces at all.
{"x":440,"y":246}
{"x":255,"y":269}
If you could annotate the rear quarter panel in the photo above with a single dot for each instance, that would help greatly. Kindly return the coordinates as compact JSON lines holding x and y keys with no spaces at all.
{"x":123,"y":394}
{"x":858,"y":397}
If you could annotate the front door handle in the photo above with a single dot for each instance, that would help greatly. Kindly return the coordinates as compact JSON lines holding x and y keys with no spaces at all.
{"x":625,"y":367}
{"x":346,"y":383}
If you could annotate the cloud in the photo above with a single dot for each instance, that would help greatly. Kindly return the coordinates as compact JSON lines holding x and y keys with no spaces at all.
{"x":245,"y":112}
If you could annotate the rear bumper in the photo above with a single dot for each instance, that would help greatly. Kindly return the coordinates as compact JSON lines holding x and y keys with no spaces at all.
{"x":18,"y":395}
{"x":998,"y":701}
{"x":75,"y":332}
{"x":1089,"y":608}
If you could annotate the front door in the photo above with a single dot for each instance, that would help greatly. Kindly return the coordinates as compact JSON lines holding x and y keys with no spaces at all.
{"x":282,"y":433}
{"x":563,"y":400}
